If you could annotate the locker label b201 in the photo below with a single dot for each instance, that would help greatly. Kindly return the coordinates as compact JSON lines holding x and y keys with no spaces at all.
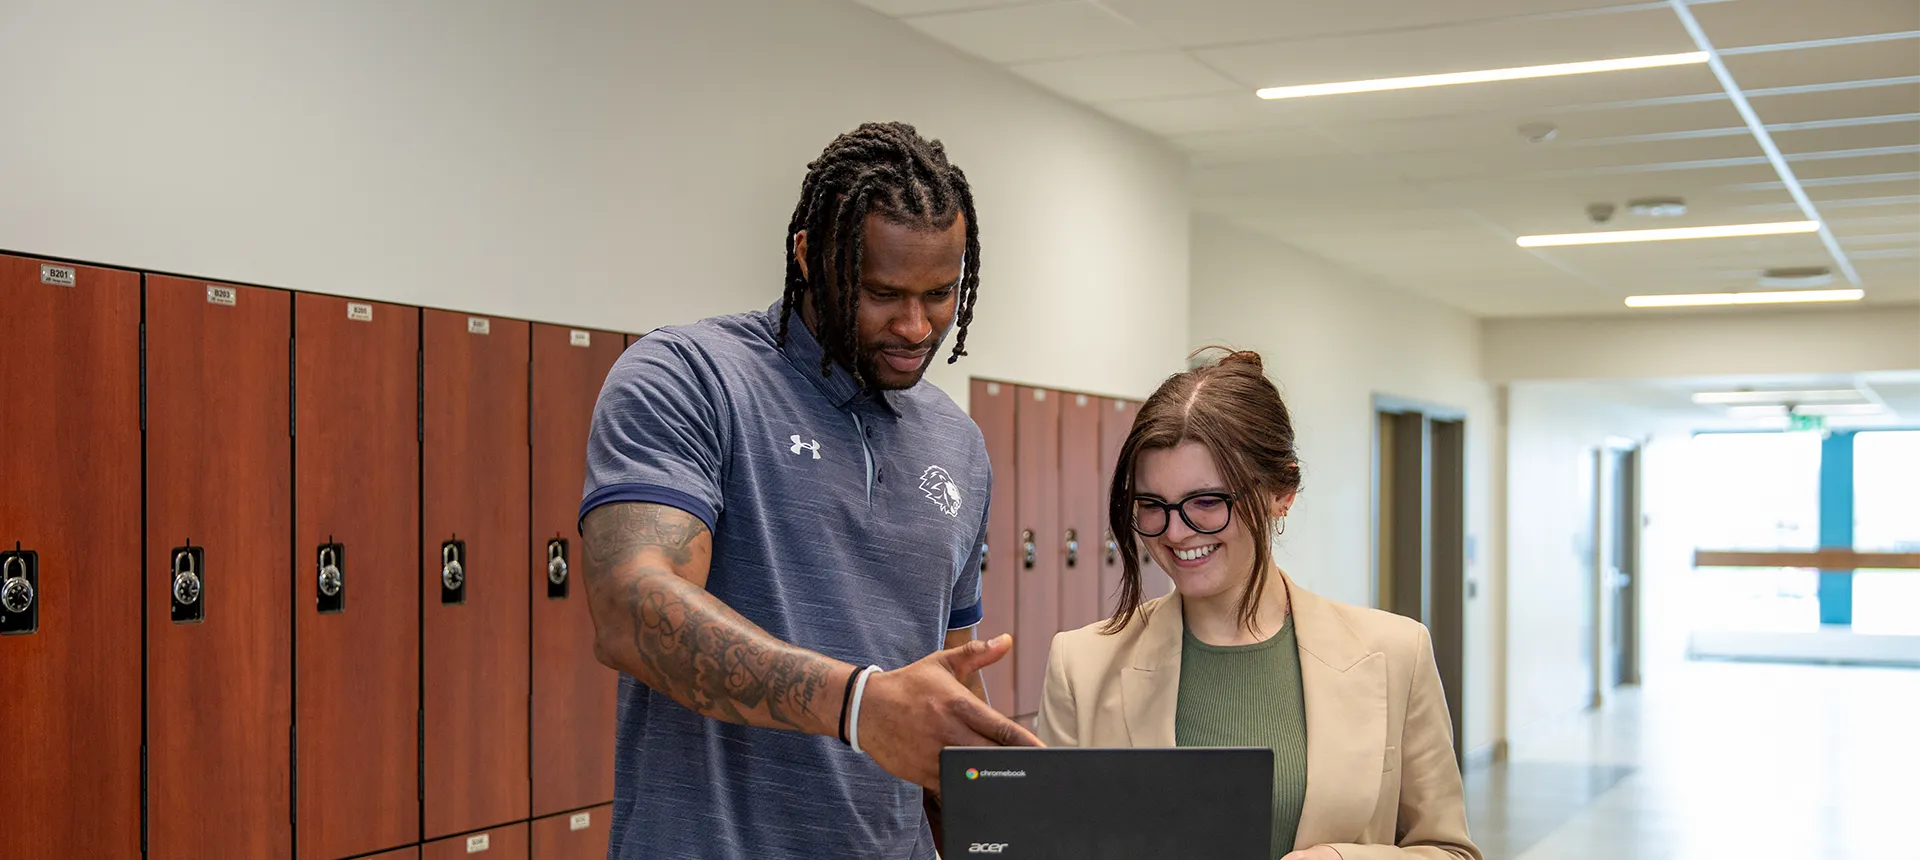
{"x":222,"y":296}
{"x":359,"y":312}
{"x":58,"y":276}
{"x":580,"y":821}
{"x":577,"y":337}
{"x":479,"y":325}
{"x":477,"y":844}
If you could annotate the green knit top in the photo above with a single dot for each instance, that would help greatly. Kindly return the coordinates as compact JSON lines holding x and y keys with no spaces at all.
{"x":1250,"y":696}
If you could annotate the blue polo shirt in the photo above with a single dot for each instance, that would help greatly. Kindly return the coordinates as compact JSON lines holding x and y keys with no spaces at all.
{"x":844,"y":521}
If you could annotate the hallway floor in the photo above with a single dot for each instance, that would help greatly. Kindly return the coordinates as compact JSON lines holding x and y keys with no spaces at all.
{"x":1716,"y":761}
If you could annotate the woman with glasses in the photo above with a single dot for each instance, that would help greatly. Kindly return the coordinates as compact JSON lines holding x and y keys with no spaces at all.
{"x":1348,"y":698}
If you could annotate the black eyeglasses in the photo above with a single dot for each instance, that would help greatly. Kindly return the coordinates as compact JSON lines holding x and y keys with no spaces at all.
{"x":1205,"y":513}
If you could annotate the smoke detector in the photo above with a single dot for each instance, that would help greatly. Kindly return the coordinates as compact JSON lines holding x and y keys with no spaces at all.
{"x":1797,"y":277}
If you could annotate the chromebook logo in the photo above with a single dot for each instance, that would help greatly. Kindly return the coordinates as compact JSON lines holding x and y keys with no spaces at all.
{"x":973,"y":773}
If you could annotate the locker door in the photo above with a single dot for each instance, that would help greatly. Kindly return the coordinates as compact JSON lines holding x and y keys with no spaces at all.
{"x":1116,"y":419}
{"x":573,"y":695}
{"x":357,"y":513}
{"x":70,"y":549}
{"x":474,"y":520}
{"x":991,"y":405}
{"x":1081,"y":511}
{"x":573,"y":836}
{"x":1037,"y":509}
{"x":219,"y":527}
{"x":500,"y":843}
{"x":411,"y":852}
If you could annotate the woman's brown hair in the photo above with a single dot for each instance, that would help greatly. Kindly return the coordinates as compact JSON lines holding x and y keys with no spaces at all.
{"x":1230,"y":407}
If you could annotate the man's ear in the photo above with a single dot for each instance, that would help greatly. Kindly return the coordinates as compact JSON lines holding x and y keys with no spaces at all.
{"x":800,"y":253}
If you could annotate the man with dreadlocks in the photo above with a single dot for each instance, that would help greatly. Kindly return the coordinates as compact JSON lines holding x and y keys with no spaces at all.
{"x":783,"y":527}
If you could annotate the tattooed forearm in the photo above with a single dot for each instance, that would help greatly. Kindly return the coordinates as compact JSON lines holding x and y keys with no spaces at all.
{"x":655,"y":621}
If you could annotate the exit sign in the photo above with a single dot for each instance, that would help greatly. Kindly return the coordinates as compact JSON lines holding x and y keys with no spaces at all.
{"x":1807,"y":422}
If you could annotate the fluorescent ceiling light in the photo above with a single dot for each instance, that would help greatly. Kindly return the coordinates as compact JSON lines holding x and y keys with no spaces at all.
{"x":1784,"y":297}
{"x":1825,"y":395}
{"x":1667,"y":234}
{"x":1481,"y":77}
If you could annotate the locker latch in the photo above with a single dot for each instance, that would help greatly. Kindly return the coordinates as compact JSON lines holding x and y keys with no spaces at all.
{"x":557,"y":569}
{"x":332,"y":581}
{"x":19,"y":591}
{"x":1113,"y":549}
{"x":1028,"y":548}
{"x":1073,"y":547}
{"x":188,"y":584}
{"x":453,"y":571}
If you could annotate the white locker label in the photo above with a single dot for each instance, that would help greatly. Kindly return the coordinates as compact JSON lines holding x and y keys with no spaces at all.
{"x":581,"y":338}
{"x":581,"y":820}
{"x":222,"y":296}
{"x":476,"y":844}
{"x":479,"y":325}
{"x":59,"y":276}
{"x":359,"y":312}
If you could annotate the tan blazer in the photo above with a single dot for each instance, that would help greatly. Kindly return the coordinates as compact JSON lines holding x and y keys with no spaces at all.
{"x":1382,"y":783}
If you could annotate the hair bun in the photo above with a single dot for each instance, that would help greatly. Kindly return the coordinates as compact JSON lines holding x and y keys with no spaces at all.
{"x":1245,"y":357}
{"x":1229,"y":358}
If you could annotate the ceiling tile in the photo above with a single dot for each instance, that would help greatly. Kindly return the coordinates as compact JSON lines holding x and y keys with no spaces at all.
{"x":1905,"y":132}
{"x":1198,"y":23}
{"x":1500,"y":130}
{"x":1869,"y":61}
{"x":1770,"y":22}
{"x":1128,"y":76}
{"x":1193,"y":115}
{"x":1279,"y":144}
{"x":1459,"y":48}
{"x":1025,"y":34}
{"x":904,"y":8}
{"x":1837,"y":104}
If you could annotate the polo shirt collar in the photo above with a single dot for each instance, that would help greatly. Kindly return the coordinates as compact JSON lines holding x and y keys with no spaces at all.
{"x":804,"y":351}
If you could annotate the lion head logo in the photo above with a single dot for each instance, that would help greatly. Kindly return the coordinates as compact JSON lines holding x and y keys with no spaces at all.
{"x":940,"y":488}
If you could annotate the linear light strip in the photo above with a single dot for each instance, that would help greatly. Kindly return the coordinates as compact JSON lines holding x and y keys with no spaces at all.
{"x":1762,"y":137}
{"x":1665,"y":234}
{"x":1757,"y":298}
{"x":1484,"y":76}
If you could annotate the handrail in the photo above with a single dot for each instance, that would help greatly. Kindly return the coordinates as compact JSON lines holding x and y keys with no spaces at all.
{"x":1819,"y":559}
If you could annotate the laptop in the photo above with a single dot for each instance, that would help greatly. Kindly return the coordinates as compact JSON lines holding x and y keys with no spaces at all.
{"x":1034,"y":803}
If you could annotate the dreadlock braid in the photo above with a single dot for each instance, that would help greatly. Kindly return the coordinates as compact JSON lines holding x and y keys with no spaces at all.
{"x":879,"y":167}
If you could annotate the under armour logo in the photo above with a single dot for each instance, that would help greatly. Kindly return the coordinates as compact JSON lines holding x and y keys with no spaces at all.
{"x":809,"y":445}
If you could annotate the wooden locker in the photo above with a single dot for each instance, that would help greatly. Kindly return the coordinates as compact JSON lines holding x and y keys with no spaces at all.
{"x":573,"y":836}
{"x":70,"y":544}
{"x":1116,"y":419}
{"x":357,"y":525}
{"x":991,"y":404}
{"x":506,"y":842}
{"x":219,"y":528}
{"x":573,"y":694}
{"x":474,"y":614}
{"x":1037,"y":510}
{"x":411,"y":852}
{"x":1082,"y":516}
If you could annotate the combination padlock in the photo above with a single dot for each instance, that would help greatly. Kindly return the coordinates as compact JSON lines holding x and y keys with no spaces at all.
{"x":16,"y":592}
{"x":330,"y":578}
{"x":186,"y":580}
{"x":556,"y":562}
{"x":1029,"y":550}
{"x":1073,"y":548}
{"x":452,"y":575}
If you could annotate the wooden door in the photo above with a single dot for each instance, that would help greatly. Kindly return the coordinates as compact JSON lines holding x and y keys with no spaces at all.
{"x":573,"y":836}
{"x":573,"y":694}
{"x":219,"y":527}
{"x":474,"y":521}
{"x":991,"y":404}
{"x":1037,"y":509}
{"x":357,"y":515}
{"x":411,"y":852}
{"x":1082,"y":514}
{"x":508,"y":842}
{"x":70,"y":640}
